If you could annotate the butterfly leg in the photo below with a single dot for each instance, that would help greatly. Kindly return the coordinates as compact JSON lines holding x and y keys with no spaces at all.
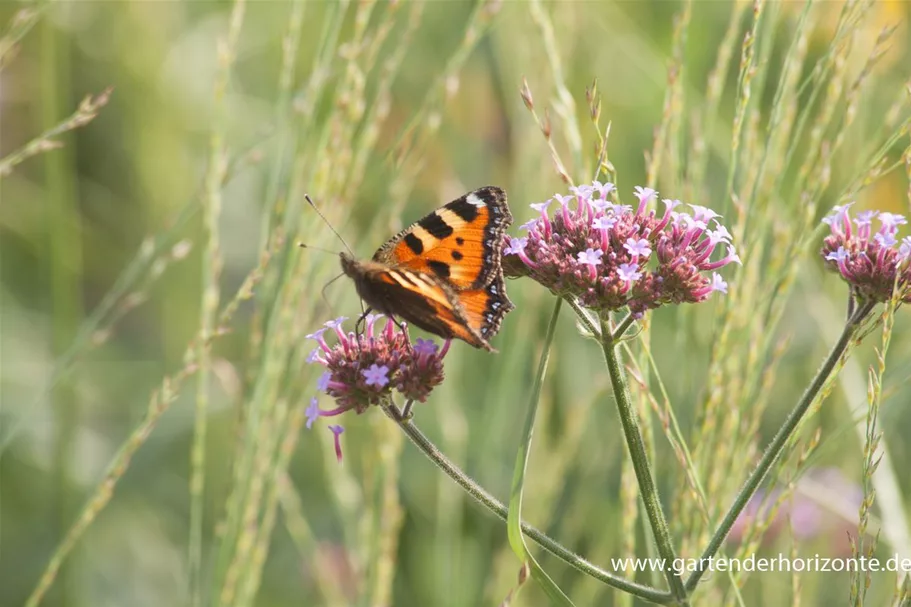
{"x":402,"y":326}
{"x":359,"y":325}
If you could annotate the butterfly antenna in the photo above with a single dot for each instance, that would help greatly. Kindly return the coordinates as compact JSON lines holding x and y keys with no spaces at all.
{"x":339,"y":236}
{"x":304,"y":245}
{"x":326,"y":221}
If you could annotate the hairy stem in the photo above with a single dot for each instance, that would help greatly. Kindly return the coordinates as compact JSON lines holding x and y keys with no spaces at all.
{"x":484,"y":498}
{"x":641,"y":466}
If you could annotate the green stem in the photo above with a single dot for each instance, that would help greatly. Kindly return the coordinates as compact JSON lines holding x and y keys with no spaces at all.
{"x":778,"y":443}
{"x":65,"y":247}
{"x":584,"y":317}
{"x":514,"y":518}
{"x":211,"y":271}
{"x":623,"y":327}
{"x":636,"y":445}
{"x":484,"y":498}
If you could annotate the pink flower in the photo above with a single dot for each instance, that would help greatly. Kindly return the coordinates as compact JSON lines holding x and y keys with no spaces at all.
{"x":597,"y":251}
{"x":363,"y":370}
{"x":871,"y":265}
{"x":337,"y":433}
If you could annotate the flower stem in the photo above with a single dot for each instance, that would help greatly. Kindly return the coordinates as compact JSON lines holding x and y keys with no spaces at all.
{"x":622,"y":327}
{"x":484,"y":498}
{"x":636,"y":445}
{"x":583,"y":316}
{"x":773,"y":451}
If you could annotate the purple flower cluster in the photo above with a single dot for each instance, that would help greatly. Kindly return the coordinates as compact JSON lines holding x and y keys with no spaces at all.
{"x":610,"y":257}
{"x":871,"y":263}
{"x":363,"y":370}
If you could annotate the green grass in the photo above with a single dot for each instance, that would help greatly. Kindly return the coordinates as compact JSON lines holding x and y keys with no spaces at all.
{"x":154,"y":300}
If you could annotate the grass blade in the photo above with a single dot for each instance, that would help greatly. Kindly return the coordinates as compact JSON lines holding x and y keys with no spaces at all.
{"x":514,"y":520}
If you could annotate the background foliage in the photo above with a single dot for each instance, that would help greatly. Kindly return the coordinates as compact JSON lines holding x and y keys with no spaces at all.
{"x":122,"y":247}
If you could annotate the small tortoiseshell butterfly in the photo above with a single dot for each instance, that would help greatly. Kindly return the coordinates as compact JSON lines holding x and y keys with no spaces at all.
{"x":443,"y":273}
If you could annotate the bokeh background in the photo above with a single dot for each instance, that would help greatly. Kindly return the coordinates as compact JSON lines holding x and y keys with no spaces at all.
{"x":192,"y":175}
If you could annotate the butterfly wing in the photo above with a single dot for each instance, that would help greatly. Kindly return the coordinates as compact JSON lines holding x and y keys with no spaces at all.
{"x":485,"y":308}
{"x":459,"y":243}
{"x":420,"y":299}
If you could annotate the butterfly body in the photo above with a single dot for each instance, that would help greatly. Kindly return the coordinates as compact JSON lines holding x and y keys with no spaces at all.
{"x":443,"y":273}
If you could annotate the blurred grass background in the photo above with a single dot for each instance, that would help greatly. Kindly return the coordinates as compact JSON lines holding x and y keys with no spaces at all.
{"x":192,"y":176}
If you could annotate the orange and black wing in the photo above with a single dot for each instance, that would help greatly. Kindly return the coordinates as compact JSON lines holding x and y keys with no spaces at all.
{"x":424,"y":301}
{"x":459,"y":243}
{"x":485,"y":308}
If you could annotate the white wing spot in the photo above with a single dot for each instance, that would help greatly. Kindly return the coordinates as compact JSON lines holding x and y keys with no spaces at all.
{"x":473,"y":200}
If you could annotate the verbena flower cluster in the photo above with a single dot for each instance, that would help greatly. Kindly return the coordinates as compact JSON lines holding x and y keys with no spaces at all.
{"x":872,"y":263}
{"x":363,"y":370}
{"x":610,"y":257}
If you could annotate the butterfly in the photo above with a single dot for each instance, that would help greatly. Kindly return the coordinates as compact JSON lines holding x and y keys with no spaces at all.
{"x":443,"y":273}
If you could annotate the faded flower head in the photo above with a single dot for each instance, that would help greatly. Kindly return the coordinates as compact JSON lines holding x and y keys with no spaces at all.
{"x":872,"y":263}
{"x":609,"y":256}
{"x":363,"y":370}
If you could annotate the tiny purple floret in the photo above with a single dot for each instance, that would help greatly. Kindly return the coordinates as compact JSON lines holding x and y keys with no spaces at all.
{"x":312,"y":412}
{"x":322,"y":384}
{"x":885,"y":240}
{"x":541,"y":207}
{"x":644,"y":194}
{"x":904,"y":251}
{"x":563,"y":200}
{"x":628,"y":272}
{"x":891,"y":221}
{"x":590,"y":256}
{"x":604,"y":189}
{"x":516,"y":246}
{"x":637,"y":247}
{"x":604,"y":222}
{"x":317,"y":335}
{"x":337,"y":432}
{"x":864,"y":218}
{"x":703,"y":213}
{"x":840,"y":255}
{"x":425,"y":346}
{"x":336,"y":322}
{"x":718,"y":283}
{"x":376,"y":375}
